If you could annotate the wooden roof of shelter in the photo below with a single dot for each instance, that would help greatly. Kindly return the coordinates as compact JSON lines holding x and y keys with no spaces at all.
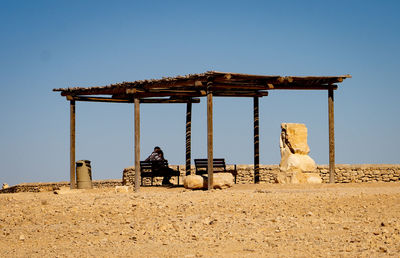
{"x":184,"y":88}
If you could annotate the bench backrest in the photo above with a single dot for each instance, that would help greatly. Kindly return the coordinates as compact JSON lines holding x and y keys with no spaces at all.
{"x":150,"y":165}
{"x":203,"y":163}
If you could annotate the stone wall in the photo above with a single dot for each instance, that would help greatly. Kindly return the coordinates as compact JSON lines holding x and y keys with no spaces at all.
{"x":343,"y":173}
{"x":50,"y":186}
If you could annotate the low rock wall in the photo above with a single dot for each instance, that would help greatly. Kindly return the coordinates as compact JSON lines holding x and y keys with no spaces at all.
{"x":44,"y":187}
{"x":343,"y":173}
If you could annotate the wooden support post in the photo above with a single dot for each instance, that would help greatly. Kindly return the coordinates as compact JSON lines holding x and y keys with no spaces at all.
{"x":331,"y":136}
{"x":137,"y":144}
{"x":72,"y":179}
{"x":188,"y":136}
{"x":256,"y":142}
{"x":210,"y":155}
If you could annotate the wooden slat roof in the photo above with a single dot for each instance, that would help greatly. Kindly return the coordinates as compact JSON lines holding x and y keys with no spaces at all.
{"x":196,"y":85}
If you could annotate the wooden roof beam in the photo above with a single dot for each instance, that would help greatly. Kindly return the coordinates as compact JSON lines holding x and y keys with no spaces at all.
{"x":240,"y":94}
{"x":161,"y":101}
{"x":114,"y":100}
{"x":238,"y":87}
{"x":105,"y":91}
{"x":220,"y":76}
{"x":166,"y":94}
{"x":300,"y":87}
{"x":98,"y":99}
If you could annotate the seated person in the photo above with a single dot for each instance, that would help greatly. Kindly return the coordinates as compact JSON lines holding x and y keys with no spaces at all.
{"x":156,"y":157}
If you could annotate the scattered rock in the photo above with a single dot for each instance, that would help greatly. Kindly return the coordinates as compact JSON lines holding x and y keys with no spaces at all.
{"x":383,"y":249}
{"x":262,"y":191}
{"x":5,"y":186}
{"x":67,"y":190}
{"x":122,"y":189}
{"x":309,"y":214}
{"x":249,"y":250}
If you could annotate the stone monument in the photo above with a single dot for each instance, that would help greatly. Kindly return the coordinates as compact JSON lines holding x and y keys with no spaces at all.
{"x":296,"y":166}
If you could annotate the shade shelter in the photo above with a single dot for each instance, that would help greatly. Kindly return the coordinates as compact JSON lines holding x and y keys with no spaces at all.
{"x":189,"y":89}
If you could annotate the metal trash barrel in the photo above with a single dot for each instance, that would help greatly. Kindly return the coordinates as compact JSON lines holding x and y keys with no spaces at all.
{"x":84,"y":174}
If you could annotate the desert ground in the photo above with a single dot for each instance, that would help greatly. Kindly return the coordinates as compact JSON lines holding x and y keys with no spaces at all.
{"x":264,"y":220}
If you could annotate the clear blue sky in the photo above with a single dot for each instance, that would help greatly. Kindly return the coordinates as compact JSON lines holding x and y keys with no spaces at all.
{"x":52,"y":44}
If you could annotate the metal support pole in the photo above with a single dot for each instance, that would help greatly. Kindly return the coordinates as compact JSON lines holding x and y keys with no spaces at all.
{"x":72,"y":179}
{"x":188,"y":136}
{"x":256,"y":142}
{"x":137,"y":144}
{"x":210,"y":155}
{"x":331,"y":136}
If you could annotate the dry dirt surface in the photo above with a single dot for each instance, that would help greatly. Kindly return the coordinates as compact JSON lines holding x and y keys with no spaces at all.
{"x":350,"y":220}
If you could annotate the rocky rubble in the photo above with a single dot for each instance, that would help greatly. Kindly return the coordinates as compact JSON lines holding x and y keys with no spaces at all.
{"x":245,"y":220}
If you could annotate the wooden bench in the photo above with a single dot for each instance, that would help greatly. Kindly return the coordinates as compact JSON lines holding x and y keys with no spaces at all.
{"x":219,"y":166}
{"x":156,"y":169}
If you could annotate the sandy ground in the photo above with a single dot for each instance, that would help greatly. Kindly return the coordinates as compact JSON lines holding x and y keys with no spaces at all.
{"x":244,"y":221}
